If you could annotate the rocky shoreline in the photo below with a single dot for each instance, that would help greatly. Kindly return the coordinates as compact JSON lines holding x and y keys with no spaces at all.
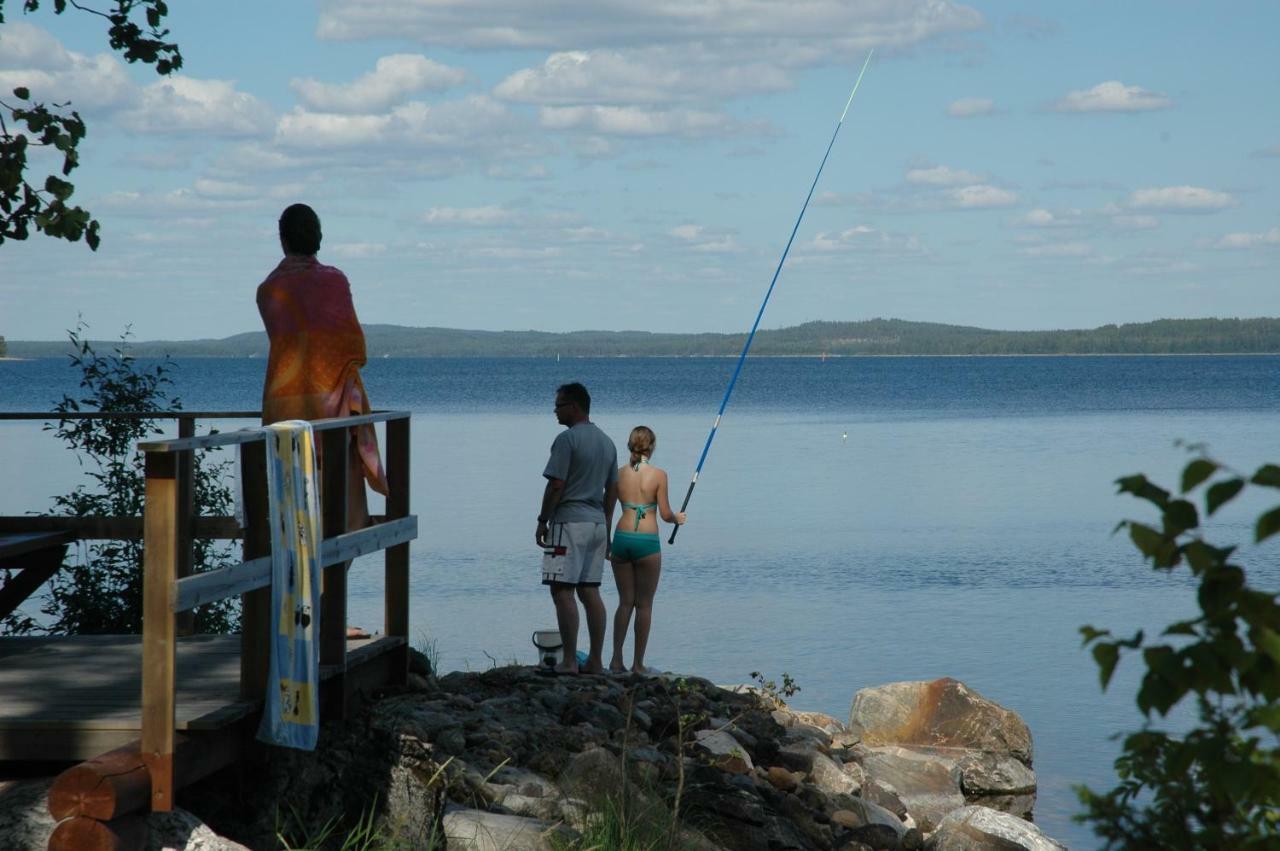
{"x":512,"y":758}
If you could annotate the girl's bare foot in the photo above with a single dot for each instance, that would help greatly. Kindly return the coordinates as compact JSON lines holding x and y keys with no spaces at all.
{"x":645,"y":671}
{"x":616,"y":667}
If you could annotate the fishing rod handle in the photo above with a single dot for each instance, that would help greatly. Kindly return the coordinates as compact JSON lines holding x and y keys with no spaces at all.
{"x":683,"y":506}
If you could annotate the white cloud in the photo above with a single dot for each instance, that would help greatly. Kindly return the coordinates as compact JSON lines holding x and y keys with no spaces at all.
{"x":686,"y":232}
{"x":1180,"y":199}
{"x":971,"y":107}
{"x":187,"y":105}
{"x":1112,"y":96}
{"x":981,"y":197}
{"x":1038,"y":218}
{"x":635,"y":121}
{"x":474,"y":124}
{"x":358,"y":250}
{"x":649,"y":76}
{"x":1135,"y":222}
{"x":700,"y":239}
{"x":225,"y":189}
{"x":24,"y":46}
{"x":302,"y":129}
{"x":942,"y":176}
{"x":1239,"y":241}
{"x":1058,"y":249}
{"x":479,"y":217}
{"x":393,"y":78}
{"x":816,"y":30}
{"x":31,"y":57}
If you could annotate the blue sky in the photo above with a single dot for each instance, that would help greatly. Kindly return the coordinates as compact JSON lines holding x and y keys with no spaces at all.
{"x":631,"y":164}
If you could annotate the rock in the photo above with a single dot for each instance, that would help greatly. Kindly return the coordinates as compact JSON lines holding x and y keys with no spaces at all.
{"x":477,"y":830}
{"x":547,"y":809}
{"x":882,"y":793}
{"x":179,"y":830}
{"x":869,"y":813}
{"x":974,"y":828}
{"x":592,"y":774}
{"x":783,"y":780}
{"x":983,"y":773}
{"x":829,"y":777}
{"x":798,"y":755}
{"x":927,"y":784}
{"x":880,"y":837}
{"x":1015,"y":805}
{"x":526,"y":783}
{"x":942,"y":713}
{"x":24,"y":815}
{"x":856,"y":775}
{"x":725,"y":751}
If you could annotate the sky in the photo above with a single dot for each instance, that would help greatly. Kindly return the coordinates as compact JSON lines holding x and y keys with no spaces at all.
{"x":639,"y":164}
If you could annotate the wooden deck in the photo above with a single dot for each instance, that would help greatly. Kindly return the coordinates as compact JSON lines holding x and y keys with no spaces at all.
{"x":73,"y":697}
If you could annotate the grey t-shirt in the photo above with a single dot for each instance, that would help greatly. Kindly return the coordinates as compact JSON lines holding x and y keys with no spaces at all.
{"x":586,"y":460}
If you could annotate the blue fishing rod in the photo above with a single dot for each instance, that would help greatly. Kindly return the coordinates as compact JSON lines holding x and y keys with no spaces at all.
{"x":724,"y":403}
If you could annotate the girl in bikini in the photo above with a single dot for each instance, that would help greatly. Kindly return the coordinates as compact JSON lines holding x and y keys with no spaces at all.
{"x":637,"y":551}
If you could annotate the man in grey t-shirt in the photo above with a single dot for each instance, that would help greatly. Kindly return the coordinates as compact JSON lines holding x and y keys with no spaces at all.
{"x":573,"y":525}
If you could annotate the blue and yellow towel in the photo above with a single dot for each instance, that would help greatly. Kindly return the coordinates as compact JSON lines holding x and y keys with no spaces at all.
{"x":292,"y":714}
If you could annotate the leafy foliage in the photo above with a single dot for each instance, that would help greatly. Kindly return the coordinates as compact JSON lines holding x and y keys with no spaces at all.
{"x":103,"y":594}
{"x":46,"y":205}
{"x":1218,"y":785}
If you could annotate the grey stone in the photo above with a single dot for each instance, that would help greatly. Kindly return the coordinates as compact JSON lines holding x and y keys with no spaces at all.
{"x":976,"y":828}
{"x":829,"y":777}
{"x":798,"y":756}
{"x":928,"y":784}
{"x":867,"y":812}
{"x":724,"y":750}
{"x":983,"y":773}
{"x":880,"y":837}
{"x":527,"y":783}
{"x":592,"y":774}
{"x":882,"y":793}
{"x":25,"y":822}
{"x":547,"y":809}
{"x":477,"y":830}
{"x":179,"y":830}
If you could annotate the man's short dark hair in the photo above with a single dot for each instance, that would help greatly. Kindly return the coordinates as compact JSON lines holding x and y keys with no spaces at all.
{"x":300,"y":229}
{"x":577,"y":394}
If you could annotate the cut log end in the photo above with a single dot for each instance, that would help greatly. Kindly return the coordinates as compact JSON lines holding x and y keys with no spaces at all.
{"x":86,"y":834}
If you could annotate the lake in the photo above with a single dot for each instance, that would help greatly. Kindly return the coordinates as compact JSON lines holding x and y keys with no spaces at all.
{"x":858,"y":520}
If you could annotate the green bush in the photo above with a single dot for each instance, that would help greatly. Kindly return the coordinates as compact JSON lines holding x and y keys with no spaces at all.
{"x":1217,"y":785}
{"x":99,"y":590}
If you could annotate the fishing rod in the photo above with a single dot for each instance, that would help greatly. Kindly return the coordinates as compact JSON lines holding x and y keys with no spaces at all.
{"x":751,"y":336}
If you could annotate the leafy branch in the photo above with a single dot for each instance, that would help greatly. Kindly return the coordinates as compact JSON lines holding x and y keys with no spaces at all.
{"x":46,"y":205}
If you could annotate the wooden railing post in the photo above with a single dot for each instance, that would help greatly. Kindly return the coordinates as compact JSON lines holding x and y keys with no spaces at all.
{"x":255,"y":609}
{"x":159,"y":591}
{"x":333,"y":598}
{"x":396,"y":582}
{"x":186,"y":517}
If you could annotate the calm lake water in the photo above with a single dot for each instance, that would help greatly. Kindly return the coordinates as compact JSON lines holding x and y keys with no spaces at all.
{"x":858,"y":521}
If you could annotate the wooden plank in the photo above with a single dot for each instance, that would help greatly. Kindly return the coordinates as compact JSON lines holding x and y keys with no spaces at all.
{"x":186,"y":620}
{"x":159,"y":637}
{"x":54,"y":416}
{"x":113,"y":528}
{"x":33,"y":570}
{"x":333,"y":599}
{"x":241,"y":578}
{"x":396,"y":582}
{"x":246,"y":437}
{"x":255,"y":609}
{"x":17,"y":544}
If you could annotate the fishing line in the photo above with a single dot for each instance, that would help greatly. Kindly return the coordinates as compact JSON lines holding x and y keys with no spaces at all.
{"x":751,"y":336}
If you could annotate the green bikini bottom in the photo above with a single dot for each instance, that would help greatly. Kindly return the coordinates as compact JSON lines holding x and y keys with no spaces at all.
{"x":631,"y":546}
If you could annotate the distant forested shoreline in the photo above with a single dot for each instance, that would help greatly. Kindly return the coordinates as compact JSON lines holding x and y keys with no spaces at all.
{"x":833,"y":339}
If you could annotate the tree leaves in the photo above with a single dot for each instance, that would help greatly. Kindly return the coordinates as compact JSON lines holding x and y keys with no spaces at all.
{"x":1196,"y":472}
{"x":22,"y":205}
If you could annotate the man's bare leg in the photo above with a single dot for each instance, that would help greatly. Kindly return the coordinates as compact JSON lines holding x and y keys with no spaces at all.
{"x":567,"y":621}
{"x":597,"y":618}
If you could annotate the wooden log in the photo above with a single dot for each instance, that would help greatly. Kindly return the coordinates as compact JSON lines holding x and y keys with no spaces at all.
{"x":117,"y":783}
{"x":86,"y":834}
{"x":159,"y":639}
{"x":114,"y":784}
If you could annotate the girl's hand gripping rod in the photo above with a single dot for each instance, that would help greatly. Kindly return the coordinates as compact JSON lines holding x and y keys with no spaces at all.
{"x":724,"y":403}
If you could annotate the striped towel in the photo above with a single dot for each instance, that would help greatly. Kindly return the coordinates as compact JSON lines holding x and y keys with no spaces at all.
{"x":292,"y":714}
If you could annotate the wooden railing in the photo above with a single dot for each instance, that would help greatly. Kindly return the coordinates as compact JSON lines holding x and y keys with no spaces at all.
{"x":167,"y":592}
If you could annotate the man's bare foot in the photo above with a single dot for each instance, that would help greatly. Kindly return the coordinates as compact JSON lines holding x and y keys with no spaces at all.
{"x":616,"y":667}
{"x":593,"y":668}
{"x":568,"y":668}
{"x":645,"y":671}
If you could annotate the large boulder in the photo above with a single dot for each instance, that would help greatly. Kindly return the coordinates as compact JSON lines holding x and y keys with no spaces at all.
{"x":976,"y":828}
{"x":477,"y":830}
{"x":24,"y":814}
{"x":927,"y":784}
{"x":179,"y":830}
{"x":938,"y":713}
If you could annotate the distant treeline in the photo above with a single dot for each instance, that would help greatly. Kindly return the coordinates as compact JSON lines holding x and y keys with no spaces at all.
{"x":871,"y":337}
